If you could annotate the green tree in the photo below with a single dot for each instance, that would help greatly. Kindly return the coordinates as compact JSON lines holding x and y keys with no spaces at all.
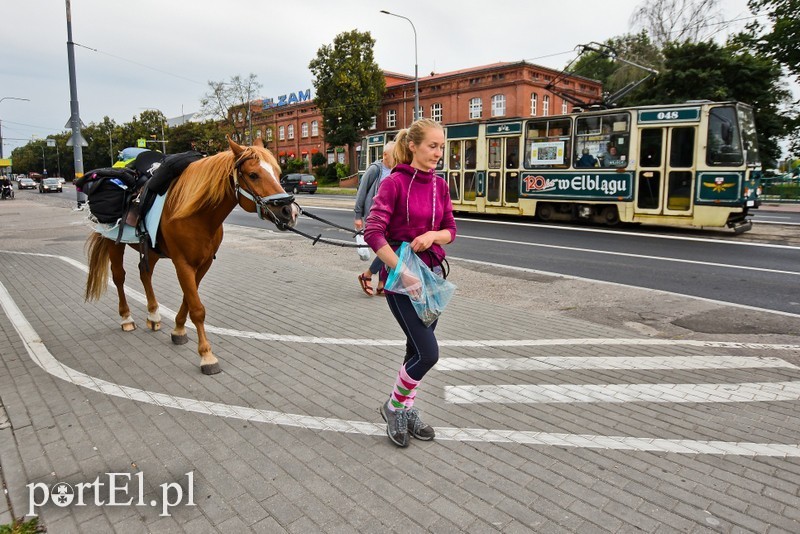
{"x":204,"y":137}
{"x":229,"y":102}
{"x":349,"y":87}
{"x":706,"y":70}
{"x":781,"y":41}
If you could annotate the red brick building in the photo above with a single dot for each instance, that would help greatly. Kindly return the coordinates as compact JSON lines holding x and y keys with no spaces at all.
{"x":514,"y":89}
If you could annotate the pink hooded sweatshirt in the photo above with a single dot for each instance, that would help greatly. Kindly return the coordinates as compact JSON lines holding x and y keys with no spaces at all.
{"x":409,"y":203}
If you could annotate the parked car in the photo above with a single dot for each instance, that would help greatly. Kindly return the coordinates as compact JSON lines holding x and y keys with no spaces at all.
{"x":25,"y":183}
{"x":62,"y":181}
{"x":299,"y":183}
{"x":49,"y":184}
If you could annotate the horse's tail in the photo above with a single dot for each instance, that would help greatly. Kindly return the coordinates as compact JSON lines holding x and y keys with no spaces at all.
{"x":97,"y":250}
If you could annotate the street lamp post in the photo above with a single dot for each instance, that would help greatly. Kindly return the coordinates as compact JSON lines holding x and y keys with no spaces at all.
{"x":416,"y":70}
{"x":1,"y":122}
{"x":44,"y":162}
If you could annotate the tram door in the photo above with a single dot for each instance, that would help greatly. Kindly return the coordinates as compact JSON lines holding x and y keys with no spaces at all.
{"x":461,"y":176}
{"x":665,"y":175}
{"x":502,"y":177}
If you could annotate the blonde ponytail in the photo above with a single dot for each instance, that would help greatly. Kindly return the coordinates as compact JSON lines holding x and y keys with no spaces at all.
{"x":414,"y":133}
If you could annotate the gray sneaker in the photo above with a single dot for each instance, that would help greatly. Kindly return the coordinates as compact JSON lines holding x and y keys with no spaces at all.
{"x":396,"y":424}
{"x":418,"y":428}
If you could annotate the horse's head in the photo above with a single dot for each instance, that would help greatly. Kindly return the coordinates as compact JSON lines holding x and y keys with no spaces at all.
{"x":257,"y":187}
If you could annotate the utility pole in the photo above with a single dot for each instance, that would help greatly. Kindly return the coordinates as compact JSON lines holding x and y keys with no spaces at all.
{"x":76,"y":141}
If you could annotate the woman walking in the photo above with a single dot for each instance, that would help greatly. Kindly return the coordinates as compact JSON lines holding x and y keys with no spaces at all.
{"x":412,"y":205}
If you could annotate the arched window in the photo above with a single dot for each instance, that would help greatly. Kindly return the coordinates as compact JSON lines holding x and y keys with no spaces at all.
{"x":498,"y":105}
{"x":534,"y":104}
{"x":475,"y":108}
{"x":281,"y":134}
{"x":314,"y":128}
{"x":269,"y":134}
{"x":290,"y":131}
{"x":304,"y":130}
{"x":546,"y":105}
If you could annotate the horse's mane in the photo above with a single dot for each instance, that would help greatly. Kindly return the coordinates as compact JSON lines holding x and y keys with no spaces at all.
{"x":205,"y":182}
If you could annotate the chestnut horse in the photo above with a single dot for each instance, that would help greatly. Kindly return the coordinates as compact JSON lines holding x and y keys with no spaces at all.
{"x":190,"y":233}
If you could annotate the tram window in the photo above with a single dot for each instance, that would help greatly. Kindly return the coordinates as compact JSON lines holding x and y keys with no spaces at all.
{"x":469,"y":154}
{"x":650,"y":147}
{"x":512,"y":152}
{"x":512,"y":187}
{"x":494,"y":153}
{"x":724,"y":146}
{"x":455,"y":155}
{"x":681,"y":151}
{"x":454,"y":186}
{"x":470,"y":186}
{"x":680,"y":190}
{"x":548,"y":143}
{"x":749,"y":135}
{"x":440,"y":164}
{"x":602,"y":140}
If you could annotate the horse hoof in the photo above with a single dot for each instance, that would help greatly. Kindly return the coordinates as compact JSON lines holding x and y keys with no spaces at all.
{"x":210,"y":369}
{"x":180,"y":340}
{"x":128,"y":327}
{"x":155,"y":327}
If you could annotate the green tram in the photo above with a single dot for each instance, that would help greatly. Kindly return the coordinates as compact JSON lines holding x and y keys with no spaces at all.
{"x":694,"y":164}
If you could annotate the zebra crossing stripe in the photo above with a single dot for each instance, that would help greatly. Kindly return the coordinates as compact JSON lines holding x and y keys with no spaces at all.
{"x":561,"y":363}
{"x":616,"y":393}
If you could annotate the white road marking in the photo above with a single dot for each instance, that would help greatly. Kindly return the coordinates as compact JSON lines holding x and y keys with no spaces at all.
{"x":263,"y":336}
{"x":45,"y":360}
{"x":561,"y":363}
{"x":630,"y":255}
{"x":615,"y":393}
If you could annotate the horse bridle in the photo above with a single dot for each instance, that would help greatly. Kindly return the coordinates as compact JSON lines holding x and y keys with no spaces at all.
{"x":262,"y":203}
{"x":285,"y":199}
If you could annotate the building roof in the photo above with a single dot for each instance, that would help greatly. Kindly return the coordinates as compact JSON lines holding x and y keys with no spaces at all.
{"x":482,"y":68}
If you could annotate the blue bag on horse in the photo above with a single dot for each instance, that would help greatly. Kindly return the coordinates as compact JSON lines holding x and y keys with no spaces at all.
{"x":429,"y":292}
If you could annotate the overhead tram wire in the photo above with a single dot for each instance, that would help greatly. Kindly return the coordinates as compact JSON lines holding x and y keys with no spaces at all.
{"x":139,"y":64}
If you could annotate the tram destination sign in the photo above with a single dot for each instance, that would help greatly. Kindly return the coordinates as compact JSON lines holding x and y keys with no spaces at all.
{"x":589,"y":186}
{"x":504,"y":129}
{"x":669,"y":115}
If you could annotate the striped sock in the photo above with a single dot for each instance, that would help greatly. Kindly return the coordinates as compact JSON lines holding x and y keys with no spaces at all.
{"x":404,"y":389}
{"x":409,"y":403}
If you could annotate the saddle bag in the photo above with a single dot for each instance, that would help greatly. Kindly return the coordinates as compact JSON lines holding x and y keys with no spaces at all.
{"x":109,"y":192}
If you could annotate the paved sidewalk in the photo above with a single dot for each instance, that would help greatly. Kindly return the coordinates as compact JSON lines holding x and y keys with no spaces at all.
{"x":545,"y":422}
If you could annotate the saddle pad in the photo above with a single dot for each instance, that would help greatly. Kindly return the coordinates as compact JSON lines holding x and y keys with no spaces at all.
{"x":152,"y":219}
{"x":151,"y":222}
{"x":111,"y":231}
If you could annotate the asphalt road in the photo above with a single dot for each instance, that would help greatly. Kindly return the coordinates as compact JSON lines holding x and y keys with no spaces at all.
{"x":711,"y":265}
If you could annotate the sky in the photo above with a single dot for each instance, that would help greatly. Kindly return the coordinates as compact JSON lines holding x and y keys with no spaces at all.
{"x":148,"y":54}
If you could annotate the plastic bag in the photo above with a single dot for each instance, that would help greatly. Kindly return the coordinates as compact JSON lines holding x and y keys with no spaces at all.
{"x":363,"y":252}
{"x":429,"y":293}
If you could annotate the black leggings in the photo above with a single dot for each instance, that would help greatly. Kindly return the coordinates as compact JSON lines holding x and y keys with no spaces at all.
{"x":422,"y":349}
